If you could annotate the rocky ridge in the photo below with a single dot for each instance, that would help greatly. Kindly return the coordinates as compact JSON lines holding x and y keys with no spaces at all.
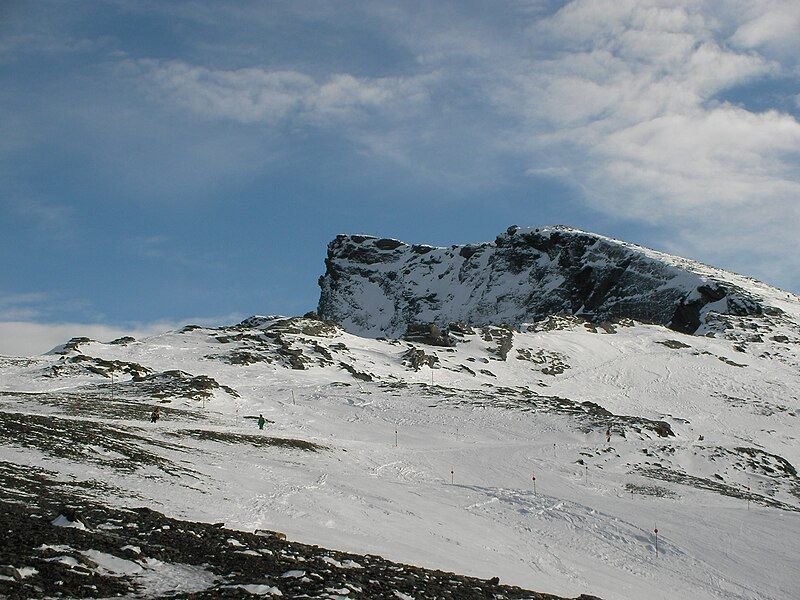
{"x":378,"y":286}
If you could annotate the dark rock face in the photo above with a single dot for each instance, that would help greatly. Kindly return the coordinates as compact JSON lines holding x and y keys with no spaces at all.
{"x":417,"y":358}
{"x":380,"y":287}
{"x":178,"y":384}
{"x":72,"y":345}
{"x":355,"y":373}
{"x":428,"y":333}
{"x":687,"y":315}
{"x":81,"y":364}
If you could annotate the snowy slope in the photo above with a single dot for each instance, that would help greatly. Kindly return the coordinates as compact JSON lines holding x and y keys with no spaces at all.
{"x":695,"y":421}
{"x":379,"y":286}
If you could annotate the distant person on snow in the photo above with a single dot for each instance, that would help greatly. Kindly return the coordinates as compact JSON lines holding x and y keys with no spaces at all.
{"x":261,"y":421}
{"x":608,"y":435}
{"x":155,"y":415}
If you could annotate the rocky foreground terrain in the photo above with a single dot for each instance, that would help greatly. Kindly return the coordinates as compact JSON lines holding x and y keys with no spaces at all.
{"x":58,"y":544}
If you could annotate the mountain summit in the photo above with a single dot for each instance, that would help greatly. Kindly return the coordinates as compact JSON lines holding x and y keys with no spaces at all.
{"x":378,"y":286}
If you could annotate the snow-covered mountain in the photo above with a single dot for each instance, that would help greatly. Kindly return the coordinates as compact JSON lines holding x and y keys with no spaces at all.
{"x":421,"y":446}
{"x":378,"y":286}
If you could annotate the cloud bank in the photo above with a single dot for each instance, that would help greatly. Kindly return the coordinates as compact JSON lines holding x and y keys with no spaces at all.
{"x":29,"y":338}
{"x":622,"y":100}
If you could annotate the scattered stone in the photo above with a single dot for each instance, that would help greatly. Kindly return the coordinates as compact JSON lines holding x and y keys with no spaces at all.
{"x":503,"y":337}
{"x":675,"y":344}
{"x":416,"y":358}
{"x":428,"y":333}
{"x":357,"y":374}
{"x":91,"y":564}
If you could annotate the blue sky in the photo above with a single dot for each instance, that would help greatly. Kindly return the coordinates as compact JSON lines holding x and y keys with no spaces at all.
{"x":164,"y":163}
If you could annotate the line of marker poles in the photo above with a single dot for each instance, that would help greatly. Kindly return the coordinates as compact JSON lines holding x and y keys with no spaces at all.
{"x":452,"y":469}
{"x":586,"y":480}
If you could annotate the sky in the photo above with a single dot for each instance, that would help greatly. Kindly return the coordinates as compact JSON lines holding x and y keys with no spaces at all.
{"x":164,"y":163}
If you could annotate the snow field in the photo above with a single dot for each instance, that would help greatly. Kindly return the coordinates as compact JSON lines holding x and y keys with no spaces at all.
{"x":584,"y":531}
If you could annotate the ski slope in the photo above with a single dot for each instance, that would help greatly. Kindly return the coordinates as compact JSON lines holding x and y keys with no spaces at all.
{"x":587,"y":529}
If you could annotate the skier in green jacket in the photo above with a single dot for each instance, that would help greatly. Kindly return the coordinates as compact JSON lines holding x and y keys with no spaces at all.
{"x":261,"y":421}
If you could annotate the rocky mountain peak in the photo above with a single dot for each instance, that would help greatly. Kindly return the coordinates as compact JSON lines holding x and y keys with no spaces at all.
{"x":379,"y":286}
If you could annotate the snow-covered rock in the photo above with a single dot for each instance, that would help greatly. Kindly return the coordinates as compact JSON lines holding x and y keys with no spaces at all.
{"x":376,"y":286}
{"x":63,"y":521}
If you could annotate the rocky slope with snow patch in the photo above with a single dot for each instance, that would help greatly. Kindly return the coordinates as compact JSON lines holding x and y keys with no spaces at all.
{"x":59,"y":545}
{"x":376,"y":287}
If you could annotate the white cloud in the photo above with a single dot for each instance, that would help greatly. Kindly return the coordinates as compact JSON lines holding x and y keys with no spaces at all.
{"x":619,"y":98}
{"x":769,"y":25}
{"x":623,"y":100}
{"x":622,"y":96}
{"x":11,"y":47}
{"x":257,"y":95}
{"x":28,"y":338}
{"x":26,"y":305}
{"x":55,"y":220}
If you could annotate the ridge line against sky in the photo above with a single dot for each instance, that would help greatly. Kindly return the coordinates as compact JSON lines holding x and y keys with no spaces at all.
{"x":159,"y":160}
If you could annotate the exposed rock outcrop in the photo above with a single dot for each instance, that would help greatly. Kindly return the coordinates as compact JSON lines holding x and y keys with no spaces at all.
{"x":380,"y":287}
